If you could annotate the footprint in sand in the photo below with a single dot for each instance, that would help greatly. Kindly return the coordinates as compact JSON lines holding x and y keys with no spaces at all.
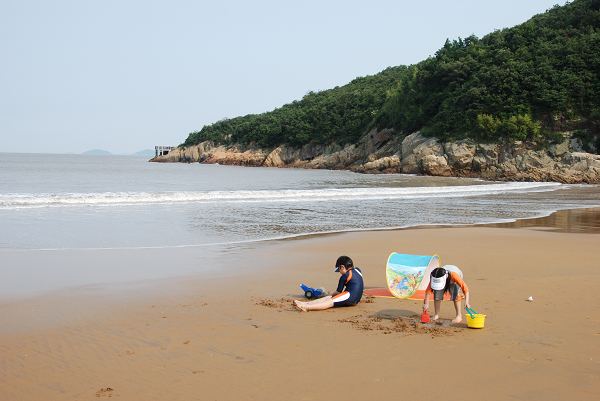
{"x":105,"y":392}
{"x":186,"y":342}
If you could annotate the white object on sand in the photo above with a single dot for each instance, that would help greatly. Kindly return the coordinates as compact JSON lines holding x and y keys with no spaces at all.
{"x":530,"y":299}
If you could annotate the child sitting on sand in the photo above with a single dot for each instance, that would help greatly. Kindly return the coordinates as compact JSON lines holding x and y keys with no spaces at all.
{"x":349,"y":290}
{"x":443,"y":280}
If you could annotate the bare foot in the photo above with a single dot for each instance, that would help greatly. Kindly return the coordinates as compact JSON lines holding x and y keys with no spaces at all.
{"x":435,"y":317}
{"x":457,"y":319}
{"x":299,"y":306}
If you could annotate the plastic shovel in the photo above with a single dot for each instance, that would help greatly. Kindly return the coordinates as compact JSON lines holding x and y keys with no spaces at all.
{"x":471,"y":312}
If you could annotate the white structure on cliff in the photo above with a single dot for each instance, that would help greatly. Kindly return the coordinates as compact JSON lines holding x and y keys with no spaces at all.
{"x":162,"y":150}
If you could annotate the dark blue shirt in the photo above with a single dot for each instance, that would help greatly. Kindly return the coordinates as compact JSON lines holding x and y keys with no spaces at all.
{"x":353,"y":282}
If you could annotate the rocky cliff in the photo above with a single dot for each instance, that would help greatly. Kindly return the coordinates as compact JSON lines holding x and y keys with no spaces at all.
{"x":384,"y":152}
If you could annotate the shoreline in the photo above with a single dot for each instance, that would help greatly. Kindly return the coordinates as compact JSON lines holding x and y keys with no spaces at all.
{"x":563,"y":220}
{"x":178,"y":337}
{"x":501,"y":222}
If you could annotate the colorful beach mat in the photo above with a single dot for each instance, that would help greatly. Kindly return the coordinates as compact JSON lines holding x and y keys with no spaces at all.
{"x":386,"y":293}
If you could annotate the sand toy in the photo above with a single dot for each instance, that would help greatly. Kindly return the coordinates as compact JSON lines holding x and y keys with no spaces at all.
{"x":310,"y":292}
{"x":475,"y":320}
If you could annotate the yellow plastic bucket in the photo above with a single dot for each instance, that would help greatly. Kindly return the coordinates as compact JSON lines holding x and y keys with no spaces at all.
{"x":475,"y":322}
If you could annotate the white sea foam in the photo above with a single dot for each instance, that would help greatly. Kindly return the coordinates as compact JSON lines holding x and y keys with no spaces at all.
{"x":15,"y":201}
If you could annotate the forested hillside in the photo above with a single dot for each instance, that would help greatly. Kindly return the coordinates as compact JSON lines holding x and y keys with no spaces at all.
{"x":335,"y":115}
{"x":527,"y":83}
{"x":522,"y":83}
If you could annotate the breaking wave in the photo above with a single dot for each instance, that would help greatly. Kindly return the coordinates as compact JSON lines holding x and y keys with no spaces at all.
{"x":16,"y":201}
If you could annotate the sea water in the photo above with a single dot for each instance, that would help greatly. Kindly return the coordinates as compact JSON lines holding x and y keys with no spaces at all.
{"x":75,"y":201}
{"x":71,"y":220}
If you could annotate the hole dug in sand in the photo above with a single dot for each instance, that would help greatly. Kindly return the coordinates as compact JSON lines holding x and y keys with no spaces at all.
{"x":405,"y":325}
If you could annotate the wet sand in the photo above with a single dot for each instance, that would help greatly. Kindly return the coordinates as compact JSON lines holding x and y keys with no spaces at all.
{"x":234,"y":334}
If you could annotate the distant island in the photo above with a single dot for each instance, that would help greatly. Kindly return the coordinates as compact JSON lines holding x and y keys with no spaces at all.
{"x":96,"y":152}
{"x":144,"y":153}
{"x":521,"y":103}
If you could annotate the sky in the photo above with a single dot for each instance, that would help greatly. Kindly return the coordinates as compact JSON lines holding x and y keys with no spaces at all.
{"x":127,"y":75}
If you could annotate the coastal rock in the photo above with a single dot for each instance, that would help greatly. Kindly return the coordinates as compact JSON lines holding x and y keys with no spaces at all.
{"x":274,"y":159}
{"x":185,"y":155}
{"x":490,"y":152}
{"x":234,"y":155}
{"x":380,"y":153}
{"x":583,"y":162}
{"x":388,"y":163}
{"x":485,"y":159}
{"x":336,"y":158}
{"x":310,"y":151}
{"x":375,"y":139}
{"x":560,"y":149}
{"x":414,"y":148}
{"x":435,"y":165}
{"x":386,"y":151}
{"x":460,"y":154}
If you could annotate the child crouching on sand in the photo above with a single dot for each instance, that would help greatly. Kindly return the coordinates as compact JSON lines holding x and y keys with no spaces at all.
{"x":349,"y":290}
{"x":443,"y":280}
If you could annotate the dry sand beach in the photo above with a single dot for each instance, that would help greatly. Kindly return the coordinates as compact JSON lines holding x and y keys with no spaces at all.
{"x":174,"y":274}
{"x":233,"y":335}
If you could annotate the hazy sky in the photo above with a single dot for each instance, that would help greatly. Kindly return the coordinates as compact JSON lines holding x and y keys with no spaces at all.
{"x":127,"y":75}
